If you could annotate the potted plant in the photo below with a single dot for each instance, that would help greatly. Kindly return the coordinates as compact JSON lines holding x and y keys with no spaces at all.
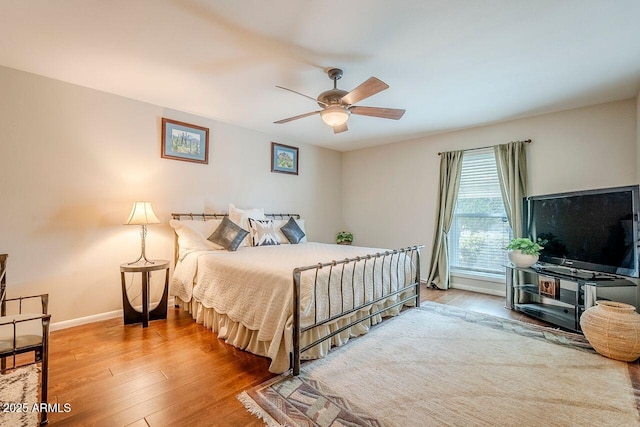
{"x":344,"y":238}
{"x":523,"y":252}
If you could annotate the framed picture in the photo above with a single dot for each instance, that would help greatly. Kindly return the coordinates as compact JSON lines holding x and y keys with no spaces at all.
{"x":284,"y":159}
{"x":549,"y":286}
{"x":182,"y":141}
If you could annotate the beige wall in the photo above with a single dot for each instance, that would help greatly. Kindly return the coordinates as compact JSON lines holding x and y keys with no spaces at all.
{"x":73,"y":160}
{"x":591,"y":147}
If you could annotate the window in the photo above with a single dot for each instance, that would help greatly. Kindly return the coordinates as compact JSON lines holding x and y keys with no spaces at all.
{"x":480,"y":229}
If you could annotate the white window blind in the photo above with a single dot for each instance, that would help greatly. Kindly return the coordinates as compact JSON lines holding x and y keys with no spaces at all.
{"x":480,"y":228}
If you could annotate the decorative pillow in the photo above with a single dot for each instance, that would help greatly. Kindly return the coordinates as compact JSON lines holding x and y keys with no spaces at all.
{"x":228,"y":235}
{"x":300,"y":223}
{"x":191,"y":236}
{"x":292,"y":231}
{"x":279,"y":223}
{"x":263,"y":233}
{"x":241,"y":218}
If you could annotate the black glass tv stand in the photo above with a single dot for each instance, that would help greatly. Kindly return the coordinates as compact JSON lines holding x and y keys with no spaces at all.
{"x":572,"y":273}
{"x":559,"y":295}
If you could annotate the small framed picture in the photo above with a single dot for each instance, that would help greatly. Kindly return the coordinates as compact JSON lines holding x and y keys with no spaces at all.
{"x":284,"y":159}
{"x":182,"y":141}
{"x":549,"y":286}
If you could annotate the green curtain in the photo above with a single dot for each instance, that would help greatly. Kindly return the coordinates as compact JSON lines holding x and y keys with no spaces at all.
{"x":511,"y":160}
{"x":450,"y":169}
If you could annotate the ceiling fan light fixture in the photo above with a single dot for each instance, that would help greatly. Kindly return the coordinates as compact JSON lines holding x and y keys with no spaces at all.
{"x":335,"y":115}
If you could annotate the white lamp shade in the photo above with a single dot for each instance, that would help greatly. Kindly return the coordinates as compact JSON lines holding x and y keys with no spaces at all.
{"x":142,"y":214}
{"x":335,"y":115}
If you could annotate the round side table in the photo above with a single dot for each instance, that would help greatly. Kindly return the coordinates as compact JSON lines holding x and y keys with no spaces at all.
{"x":131,"y":315}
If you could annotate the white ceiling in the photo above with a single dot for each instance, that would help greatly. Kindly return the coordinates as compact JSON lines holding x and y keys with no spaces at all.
{"x":451,"y":64}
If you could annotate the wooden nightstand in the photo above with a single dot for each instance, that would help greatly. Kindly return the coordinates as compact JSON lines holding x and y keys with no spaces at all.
{"x":131,"y":315}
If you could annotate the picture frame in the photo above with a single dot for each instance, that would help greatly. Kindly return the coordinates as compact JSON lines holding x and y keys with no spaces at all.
{"x":184,"y":141}
{"x":284,"y":159}
{"x":549,"y":286}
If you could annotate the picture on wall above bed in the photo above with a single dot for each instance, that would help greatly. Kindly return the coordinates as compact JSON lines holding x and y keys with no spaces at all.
{"x":284,"y":159}
{"x":183,"y":141}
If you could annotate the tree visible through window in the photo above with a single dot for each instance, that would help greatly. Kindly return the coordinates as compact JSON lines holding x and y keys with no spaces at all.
{"x":480,"y":229}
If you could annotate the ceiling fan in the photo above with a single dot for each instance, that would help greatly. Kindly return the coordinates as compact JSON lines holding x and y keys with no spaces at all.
{"x":337,"y":104}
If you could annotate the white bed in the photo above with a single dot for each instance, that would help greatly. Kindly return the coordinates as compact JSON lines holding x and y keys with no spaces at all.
{"x":247,"y":296}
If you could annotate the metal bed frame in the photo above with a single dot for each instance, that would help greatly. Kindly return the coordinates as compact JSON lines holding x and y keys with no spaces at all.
{"x":409,"y":293}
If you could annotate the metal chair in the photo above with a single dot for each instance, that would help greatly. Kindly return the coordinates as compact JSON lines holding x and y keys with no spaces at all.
{"x":22,"y":332}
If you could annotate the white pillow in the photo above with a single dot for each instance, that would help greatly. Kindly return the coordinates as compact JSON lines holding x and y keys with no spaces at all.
{"x":283,"y":239}
{"x":192,"y":236}
{"x":241,"y":218}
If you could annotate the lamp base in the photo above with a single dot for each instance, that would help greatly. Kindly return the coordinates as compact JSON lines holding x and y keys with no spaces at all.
{"x":143,"y":256}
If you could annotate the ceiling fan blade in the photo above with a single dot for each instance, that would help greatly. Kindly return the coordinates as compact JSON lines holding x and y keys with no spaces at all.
{"x":302,"y":94}
{"x":279,"y":122}
{"x":365,"y":90}
{"x":341,"y":128}
{"x":385,"y":113}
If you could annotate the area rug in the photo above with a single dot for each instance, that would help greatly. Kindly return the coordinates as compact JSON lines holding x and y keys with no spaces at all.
{"x":442,"y":366}
{"x":18,"y":393}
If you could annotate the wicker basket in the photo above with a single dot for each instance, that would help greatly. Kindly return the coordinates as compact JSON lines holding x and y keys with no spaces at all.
{"x":613,"y":329}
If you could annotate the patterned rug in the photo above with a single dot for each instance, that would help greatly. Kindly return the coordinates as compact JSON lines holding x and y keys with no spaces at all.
{"x":477,"y":383}
{"x":18,"y":393}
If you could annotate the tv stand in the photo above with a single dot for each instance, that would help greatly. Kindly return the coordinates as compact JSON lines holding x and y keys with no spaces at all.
{"x":576,"y":291}
{"x":573,"y":273}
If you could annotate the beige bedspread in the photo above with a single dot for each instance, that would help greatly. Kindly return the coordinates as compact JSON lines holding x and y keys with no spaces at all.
{"x":253,"y":286}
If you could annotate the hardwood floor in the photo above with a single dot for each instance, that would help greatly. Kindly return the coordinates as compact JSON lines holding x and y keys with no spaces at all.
{"x":174,"y":372}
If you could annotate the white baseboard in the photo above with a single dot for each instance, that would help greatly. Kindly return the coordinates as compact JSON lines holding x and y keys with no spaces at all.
{"x":56,"y":326}
{"x":478,"y":289}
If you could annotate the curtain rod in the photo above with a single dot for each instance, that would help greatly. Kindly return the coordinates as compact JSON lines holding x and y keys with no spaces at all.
{"x":528,"y":141}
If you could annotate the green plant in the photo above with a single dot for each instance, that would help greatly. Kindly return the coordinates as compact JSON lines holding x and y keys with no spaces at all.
{"x":526,"y":245}
{"x":344,"y":236}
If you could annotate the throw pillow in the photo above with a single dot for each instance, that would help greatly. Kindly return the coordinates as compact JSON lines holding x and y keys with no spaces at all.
{"x":292,"y":231}
{"x":263,"y":233}
{"x":300,"y":223}
{"x":228,"y":235}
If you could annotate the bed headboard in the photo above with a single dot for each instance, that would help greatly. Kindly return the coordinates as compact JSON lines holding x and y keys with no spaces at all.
{"x":207,"y":216}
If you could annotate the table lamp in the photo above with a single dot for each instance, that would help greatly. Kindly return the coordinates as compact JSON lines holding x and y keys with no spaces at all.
{"x":142,"y":214}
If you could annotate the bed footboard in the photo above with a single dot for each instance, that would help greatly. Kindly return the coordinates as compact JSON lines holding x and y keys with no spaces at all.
{"x":351,"y":272}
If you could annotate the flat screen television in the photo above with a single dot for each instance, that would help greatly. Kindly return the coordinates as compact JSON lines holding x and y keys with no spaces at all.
{"x":595,"y":230}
